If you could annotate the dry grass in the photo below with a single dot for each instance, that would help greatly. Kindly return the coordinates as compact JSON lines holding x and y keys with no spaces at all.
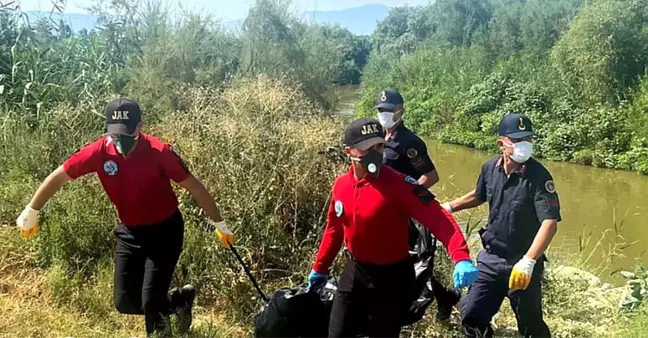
{"x":32,"y":306}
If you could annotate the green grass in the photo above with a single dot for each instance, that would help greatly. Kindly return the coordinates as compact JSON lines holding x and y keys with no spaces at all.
{"x":636,"y":325}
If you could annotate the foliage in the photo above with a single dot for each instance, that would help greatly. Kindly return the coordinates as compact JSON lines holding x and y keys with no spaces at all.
{"x":574,"y":67}
{"x":143,"y":49}
{"x":636,"y":325}
{"x":259,"y":146}
{"x":637,"y":288}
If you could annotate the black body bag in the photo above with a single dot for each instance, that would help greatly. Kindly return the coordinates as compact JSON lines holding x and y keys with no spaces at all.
{"x":303,"y":312}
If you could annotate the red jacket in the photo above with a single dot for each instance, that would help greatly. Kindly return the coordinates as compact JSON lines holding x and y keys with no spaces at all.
{"x":372,"y":216}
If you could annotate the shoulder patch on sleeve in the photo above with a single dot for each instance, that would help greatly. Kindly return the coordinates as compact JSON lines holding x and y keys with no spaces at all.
{"x":423,"y":194}
{"x":411,"y":152}
{"x":550,"y":186}
{"x":177,"y":154}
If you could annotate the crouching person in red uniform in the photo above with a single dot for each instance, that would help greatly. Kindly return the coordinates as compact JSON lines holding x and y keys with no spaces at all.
{"x":370,"y":210}
{"x":135,"y":170}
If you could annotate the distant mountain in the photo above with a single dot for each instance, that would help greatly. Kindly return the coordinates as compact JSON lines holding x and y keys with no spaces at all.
{"x":358,"y":20}
{"x":76,"y":21}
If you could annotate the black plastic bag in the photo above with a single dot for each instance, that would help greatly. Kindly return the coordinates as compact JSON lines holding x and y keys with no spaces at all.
{"x":304,"y":312}
{"x":422,"y":251}
{"x":297,"y":312}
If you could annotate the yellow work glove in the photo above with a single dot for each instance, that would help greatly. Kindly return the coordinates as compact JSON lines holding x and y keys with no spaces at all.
{"x":521,"y":274}
{"x":28,"y":222}
{"x":224,"y":234}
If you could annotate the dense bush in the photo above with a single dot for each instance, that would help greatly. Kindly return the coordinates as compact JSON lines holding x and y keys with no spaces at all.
{"x":142,"y":49}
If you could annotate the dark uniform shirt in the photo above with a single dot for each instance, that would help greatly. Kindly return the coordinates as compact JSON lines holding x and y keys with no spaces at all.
{"x":517,"y":205}
{"x":407,"y":153}
{"x":371,"y":217}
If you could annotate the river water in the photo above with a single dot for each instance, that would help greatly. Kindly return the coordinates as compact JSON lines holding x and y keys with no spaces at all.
{"x":592,"y":201}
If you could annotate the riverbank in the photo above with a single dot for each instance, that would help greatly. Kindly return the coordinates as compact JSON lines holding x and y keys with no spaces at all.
{"x":576,"y":303}
{"x":270,"y":132}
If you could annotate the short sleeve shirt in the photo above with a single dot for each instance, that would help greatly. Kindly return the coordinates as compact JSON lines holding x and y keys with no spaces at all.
{"x":518,"y":204}
{"x":406,"y":153}
{"x":139,"y":186}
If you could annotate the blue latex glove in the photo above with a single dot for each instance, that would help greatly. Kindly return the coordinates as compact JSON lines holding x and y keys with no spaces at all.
{"x":465,"y":273}
{"x":316,"y":279}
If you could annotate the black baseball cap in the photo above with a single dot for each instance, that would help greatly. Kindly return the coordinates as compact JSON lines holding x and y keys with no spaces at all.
{"x":389,"y":99}
{"x":363,"y":134}
{"x":122,"y":116}
{"x":516,"y":126}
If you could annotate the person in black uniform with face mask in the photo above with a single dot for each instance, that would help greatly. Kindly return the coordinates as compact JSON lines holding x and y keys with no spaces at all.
{"x":406,"y":153}
{"x":524,"y":211}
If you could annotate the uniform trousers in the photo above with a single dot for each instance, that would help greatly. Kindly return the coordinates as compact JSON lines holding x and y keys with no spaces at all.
{"x":485,"y":297}
{"x":145,"y":259}
{"x":372,"y":299}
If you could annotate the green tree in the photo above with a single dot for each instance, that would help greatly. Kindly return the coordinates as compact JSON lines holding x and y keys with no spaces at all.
{"x":604,"y":51}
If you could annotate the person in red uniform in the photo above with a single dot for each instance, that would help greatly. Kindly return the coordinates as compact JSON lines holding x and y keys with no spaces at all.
{"x":136,"y":170}
{"x":370,"y":210}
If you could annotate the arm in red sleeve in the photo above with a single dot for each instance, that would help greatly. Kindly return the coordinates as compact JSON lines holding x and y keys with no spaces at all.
{"x":85,"y":160}
{"x":331,"y":241}
{"x":173,"y":165}
{"x":422,"y":206}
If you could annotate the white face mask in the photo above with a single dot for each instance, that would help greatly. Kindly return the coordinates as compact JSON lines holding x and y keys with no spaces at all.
{"x":521,"y":151}
{"x":386,"y":119}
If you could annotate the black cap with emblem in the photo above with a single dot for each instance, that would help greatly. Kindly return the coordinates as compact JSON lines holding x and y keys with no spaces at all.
{"x":389,"y":99}
{"x":516,"y":126}
{"x":363,"y":134}
{"x":122,"y":116}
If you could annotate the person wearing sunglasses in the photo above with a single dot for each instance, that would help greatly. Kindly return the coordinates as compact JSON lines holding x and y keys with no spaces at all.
{"x":136,"y":170}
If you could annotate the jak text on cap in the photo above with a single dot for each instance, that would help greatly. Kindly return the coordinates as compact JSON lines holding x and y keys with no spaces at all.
{"x":363,"y":134}
{"x":122,"y":116}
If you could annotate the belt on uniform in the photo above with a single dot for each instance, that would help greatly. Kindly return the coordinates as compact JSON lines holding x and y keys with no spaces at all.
{"x":374,"y":266}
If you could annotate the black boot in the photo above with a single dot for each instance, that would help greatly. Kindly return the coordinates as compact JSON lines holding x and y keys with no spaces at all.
{"x":185,"y":315}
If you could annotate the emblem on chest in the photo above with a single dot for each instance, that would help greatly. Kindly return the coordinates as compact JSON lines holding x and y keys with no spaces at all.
{"x":110,"y":168}
{"x":339,"y":208}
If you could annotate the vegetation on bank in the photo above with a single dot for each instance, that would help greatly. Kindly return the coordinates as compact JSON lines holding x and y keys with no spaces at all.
{"x":248,"y":115}
{"x":577,"y":68}
{"x":145,"y":50}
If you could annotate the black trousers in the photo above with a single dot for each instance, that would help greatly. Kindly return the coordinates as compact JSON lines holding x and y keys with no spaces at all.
{"x":371,"y":299}
{"x":485,"y":297}
{"x":145,"y":258}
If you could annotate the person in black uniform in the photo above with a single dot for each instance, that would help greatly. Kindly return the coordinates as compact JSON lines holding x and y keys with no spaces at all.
{"x":406,"y":153}
{"x":524,"y":212}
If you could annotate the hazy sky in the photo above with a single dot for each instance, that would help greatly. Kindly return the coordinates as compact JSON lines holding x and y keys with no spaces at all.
{"x":226,"y":9}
